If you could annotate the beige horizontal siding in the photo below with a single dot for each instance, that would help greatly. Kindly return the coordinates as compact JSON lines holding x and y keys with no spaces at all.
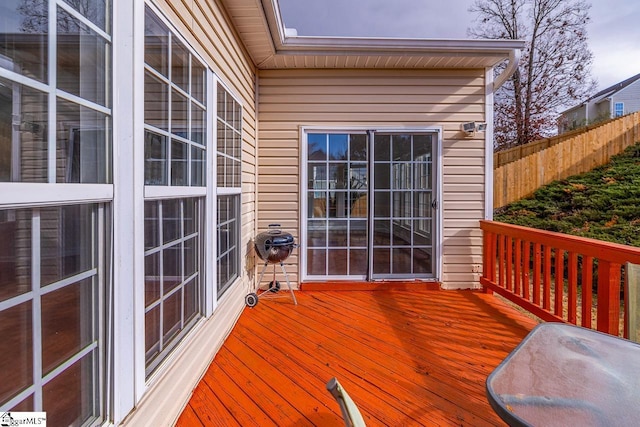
{"x":289,"y":99}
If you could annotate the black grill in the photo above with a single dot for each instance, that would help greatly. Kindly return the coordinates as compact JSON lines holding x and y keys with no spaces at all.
{"x":274,"y":245}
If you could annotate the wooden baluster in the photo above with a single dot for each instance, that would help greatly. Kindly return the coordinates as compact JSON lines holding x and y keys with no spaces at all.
{"x":537,"y":261}
{"x":518,"y":268}
{"x":587,"y":286}
{"x":572,"y":298}
{"x":509,"y":282}
{"x":546,"y":278}
{"x":559,"y":282}
{"x":526,"y":251}
{"x":501,"y":260}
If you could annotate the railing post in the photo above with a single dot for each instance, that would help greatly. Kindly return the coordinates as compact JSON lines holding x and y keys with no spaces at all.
{"x":632,"y":301}
{"x":489,"y":258}
{"x":608,"y":297}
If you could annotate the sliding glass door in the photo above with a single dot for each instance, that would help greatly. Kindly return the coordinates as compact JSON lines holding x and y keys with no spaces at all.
{"x":369,"y":205}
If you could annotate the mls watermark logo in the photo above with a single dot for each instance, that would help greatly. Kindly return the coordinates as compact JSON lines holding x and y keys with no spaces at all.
{"x":23,"y":419}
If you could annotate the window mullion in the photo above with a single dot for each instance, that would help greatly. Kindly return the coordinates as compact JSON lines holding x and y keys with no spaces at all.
{"x":36,"y":310}
{"x":52,"y":80}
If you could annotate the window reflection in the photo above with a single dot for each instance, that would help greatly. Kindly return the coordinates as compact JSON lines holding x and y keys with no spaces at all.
{"x":155,"y":159}
{"x":156,"y":43}
{"x":338,"y":147}
{"x":94,"y":10}
{"x":24,"y":32}
{"x":174,"y":104}
{"x":178,"y":163}
{"x":82,"y":62}
{"x":61,"y":304}
{"x":179,"y":64}
{"x":228,"y":241}
{"x":156,"y":98}
{"x":66,"y":236}
{"x":172,"y":274}
{"x":83,"y":145}
{"x":23,"y":133}
{"x":15,"y":258}
{"x":229,"y":142}
{"x":17,"y":364}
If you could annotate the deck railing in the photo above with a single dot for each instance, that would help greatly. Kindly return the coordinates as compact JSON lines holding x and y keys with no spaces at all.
{"x":559,"y":277}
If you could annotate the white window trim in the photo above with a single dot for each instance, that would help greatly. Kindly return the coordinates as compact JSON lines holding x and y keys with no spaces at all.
{"x":128,"y":207}
{"x":22,"y":194}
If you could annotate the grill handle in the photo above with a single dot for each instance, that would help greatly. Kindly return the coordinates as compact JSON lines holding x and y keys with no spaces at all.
{"x":275,"y":228}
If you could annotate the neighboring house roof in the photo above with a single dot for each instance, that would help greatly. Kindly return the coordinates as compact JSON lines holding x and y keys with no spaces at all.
{"x":605,"y":93}
{"x":611,"y":90}
{"x":272,"y":46}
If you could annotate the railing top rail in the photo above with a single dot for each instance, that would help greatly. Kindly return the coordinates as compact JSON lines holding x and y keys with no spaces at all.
{"x":613,"y":252}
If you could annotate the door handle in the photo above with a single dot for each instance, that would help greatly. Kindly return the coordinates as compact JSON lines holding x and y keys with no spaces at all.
{"x":434,"y":204}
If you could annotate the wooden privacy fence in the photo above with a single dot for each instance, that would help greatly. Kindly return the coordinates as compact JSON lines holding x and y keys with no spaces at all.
{"x":578,"y":154}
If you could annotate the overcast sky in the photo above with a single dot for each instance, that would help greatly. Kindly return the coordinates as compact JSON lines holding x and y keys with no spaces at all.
{"x":614,"y":31}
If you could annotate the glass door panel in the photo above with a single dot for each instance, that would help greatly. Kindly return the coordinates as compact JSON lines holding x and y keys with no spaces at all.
{"x":337,"y":205}
{"x":402,"y":232}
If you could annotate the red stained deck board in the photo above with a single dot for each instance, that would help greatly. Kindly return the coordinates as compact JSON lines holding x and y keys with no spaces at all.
{"x":406,"y":357}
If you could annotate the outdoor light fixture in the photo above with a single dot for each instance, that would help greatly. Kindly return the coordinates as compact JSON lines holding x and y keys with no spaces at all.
{"x":470,"y":128}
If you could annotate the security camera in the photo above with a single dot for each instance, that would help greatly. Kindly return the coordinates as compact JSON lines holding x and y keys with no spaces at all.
{"x":481,"y":127}
{"x":469,"y":127}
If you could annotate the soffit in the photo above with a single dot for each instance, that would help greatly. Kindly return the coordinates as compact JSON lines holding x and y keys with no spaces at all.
{"x":260,"y":27}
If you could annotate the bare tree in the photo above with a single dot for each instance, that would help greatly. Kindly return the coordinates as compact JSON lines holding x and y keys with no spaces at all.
{"x":555,"y":68}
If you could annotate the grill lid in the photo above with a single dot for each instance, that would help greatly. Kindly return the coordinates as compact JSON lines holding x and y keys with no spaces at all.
{"x":274,"y":245}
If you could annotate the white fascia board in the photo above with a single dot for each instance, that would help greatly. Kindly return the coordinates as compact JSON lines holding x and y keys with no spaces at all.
{"x":396,"y":45}
{"x":285,"y":42}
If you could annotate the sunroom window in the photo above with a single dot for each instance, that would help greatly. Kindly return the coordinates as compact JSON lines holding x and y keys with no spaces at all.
{"x":68,"y":141}
{"x":229,"y":166}
{"x":50,"y":314}
{"x":174,"y":170}
{"x":173,"y":278}
{"x":55,"y":129}
{"x":174,"y":109}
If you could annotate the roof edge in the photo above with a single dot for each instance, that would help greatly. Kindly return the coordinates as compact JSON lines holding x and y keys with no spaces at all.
{"x":285,"y":43}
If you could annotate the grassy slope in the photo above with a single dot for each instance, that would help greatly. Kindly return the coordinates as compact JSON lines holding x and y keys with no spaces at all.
{"x":602,"y":204}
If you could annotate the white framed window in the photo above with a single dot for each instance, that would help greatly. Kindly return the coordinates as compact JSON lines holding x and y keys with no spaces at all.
{"x":174,"y":109}
{"x":175,"y":141}
{"x":173,"y":274}
{"x":229,"y":188}
{"x":52,"y":283}
{"x":56,"y":111}
{"x":55,"y":130}
{"x":618,"y":109}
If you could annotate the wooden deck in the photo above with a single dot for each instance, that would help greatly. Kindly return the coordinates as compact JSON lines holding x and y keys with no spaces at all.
{"x":406,"y":358}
